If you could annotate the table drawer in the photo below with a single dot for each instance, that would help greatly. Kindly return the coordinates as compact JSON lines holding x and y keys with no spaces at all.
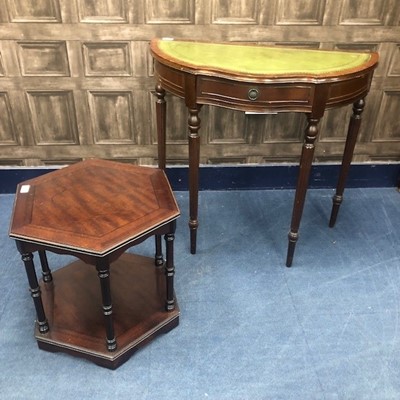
{"x":252,"y":96}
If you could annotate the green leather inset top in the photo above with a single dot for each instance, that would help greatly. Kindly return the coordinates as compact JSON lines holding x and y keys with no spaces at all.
{"x":261,"y":60}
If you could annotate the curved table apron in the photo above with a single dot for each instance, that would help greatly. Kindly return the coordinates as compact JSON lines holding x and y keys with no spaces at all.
{"x":263,"y":79}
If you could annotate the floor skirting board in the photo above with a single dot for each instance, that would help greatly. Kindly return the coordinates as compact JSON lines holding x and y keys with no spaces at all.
{"x":249,"y":177}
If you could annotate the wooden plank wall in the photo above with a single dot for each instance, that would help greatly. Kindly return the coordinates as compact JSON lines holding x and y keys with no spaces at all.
{"x":76,"y":79}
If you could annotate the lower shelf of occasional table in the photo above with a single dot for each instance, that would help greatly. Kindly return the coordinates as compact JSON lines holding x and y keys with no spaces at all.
{"x":73,"y":307}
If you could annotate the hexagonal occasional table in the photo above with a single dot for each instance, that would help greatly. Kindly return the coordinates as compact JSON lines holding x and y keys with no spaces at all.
{"x":109,"y":302}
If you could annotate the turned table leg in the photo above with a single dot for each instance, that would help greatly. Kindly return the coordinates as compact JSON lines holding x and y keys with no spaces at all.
{"x":170,"y":268}
{"x":306,"y":159}
{"x":34,"y":288}
{"x":354,"y":127}
{"x":194,"y":162}
{"x":161,"y":115}
{"x":159,"y":258}
{"x":103,"y":271}
{"x":46,"y":273}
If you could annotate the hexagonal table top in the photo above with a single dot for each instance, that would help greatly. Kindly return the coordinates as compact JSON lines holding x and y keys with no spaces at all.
{"x":94,"y":206}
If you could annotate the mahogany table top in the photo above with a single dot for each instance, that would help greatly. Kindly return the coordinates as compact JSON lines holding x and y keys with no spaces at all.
{"x":93,"y":207}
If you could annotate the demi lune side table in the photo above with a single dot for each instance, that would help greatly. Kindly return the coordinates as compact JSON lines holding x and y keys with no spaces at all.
{"x":109,"y":302}
{"x":262,"y":79}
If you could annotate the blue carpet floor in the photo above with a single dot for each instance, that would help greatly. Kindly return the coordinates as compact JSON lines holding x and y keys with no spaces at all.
{"x":327,"y":328}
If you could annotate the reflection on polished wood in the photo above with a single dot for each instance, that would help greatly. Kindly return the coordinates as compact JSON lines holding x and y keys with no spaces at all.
{"x":261,"y":79}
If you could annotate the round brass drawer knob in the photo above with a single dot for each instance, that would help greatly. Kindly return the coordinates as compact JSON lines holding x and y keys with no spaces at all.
{"x":253,"y":94}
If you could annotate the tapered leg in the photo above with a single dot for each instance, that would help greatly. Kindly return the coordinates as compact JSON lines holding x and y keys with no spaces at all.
{"x":46,"y":273}
{"x":306,"y":159}
{"x":103,"y":271}
{"x":161,"y":109}
{"x":27,"y":258}
{"x":194,"y":161}
{"x":354,"y":127}
{"x":170,"y":268}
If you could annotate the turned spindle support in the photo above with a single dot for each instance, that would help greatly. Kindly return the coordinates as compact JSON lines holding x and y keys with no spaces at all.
{"x":170,"y":268}
{"x":103,"y":271}
{"x":46,"y":273}
{"x":34,"y":288}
